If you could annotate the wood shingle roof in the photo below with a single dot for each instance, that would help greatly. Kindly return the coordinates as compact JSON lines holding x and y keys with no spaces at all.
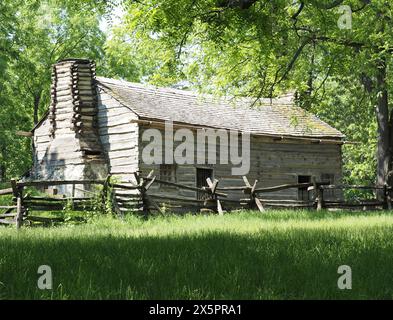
{"x":278,"y":116}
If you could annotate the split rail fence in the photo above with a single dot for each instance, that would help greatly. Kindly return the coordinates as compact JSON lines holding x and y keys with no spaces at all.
{"x":215,"y":198}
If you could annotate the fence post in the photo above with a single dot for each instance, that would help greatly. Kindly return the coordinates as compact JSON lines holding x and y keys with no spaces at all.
{"x":145,"y":204}
{"x":73,"y":196}
{"x":141,"y":187}
{"x":387,"y":199}
{"x":212,"y":187}
{"x":18,"y":193}
{"x":19,"y":212}
{"x":144,"y":186}
{"x":320,"y":198}
{"x":318,"y":193}
{"x":253,"y":198}
{"x":105,"y":192}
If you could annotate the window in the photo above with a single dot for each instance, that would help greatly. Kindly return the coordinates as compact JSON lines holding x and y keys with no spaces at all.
{"x":168,"y":172}
{"x":202,"y":175}
{"x":303,"y":194}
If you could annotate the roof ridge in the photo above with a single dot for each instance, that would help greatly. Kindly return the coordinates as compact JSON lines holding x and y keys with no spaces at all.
{"x":280,"y":100}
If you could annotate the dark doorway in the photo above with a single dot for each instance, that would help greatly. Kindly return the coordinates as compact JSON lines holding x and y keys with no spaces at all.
{"x":303,"y":194}
{"x":201,"y":176}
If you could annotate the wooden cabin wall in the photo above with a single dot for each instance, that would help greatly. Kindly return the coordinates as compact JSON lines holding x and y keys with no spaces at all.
{"x":275,"y":163}
{"x":119,"y":137}
{"x":41,"y":141}
{"x":272,"y":163}
{"x":281,"y":162}
{"x":185,"y":173}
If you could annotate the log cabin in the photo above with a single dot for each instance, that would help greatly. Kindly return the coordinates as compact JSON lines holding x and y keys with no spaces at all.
{"x":97,"y":126}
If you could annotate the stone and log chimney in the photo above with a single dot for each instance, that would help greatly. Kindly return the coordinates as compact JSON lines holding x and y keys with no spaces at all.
{"x":74,"y":150}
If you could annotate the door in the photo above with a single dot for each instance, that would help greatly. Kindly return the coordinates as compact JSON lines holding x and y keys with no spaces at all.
{"x":202,"y":175}
{"x":303,"y":194}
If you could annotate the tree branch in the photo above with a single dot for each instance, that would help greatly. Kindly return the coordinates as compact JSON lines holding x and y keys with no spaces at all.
{"x":298,"y":12}
{"x":328,"y":6}
{"x":293,"y":60}
{"x":365,"y":3}
{"x":242,"y":4}
{"x":289,"y":67}
{"x":67,"y":52}
{"x":344,"y":42}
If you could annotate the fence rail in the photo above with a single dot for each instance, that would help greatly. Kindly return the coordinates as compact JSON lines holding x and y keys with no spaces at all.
{"x":215,"y":199}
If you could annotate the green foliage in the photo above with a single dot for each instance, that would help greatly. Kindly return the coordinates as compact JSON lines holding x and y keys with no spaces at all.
{"x":102,"y":202}
{"x":213,"y":46}
{"x":34,"y":35}
{"x":108,"y":200}
{"x":68,"y":211}
{"x":95,"y":205}
{"x":271,"y":47}
{"x":6,"y":200}
{"x":354,"y":114}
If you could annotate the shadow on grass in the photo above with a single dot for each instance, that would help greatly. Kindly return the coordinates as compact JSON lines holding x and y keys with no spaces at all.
{"x":217,"y":265}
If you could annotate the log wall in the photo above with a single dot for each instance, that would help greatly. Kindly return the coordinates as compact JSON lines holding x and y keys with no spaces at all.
{"x":119,"y":139}
{"x":272,"y":163}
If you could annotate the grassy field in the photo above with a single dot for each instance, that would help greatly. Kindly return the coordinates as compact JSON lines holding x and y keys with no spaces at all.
{"x":246,"y":255}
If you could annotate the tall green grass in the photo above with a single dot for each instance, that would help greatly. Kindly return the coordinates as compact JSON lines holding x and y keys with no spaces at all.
{"x":246,"y":255}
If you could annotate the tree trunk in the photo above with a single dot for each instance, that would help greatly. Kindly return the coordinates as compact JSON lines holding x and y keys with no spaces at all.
{"x":37,"y":100}
{"x":384,"y":130}
{"x":2,"y":166}
{"x":2,"y":172}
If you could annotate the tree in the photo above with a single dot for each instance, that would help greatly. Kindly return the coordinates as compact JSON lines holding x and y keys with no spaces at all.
{"x":34,"y":35}
{"x":259,"y":48}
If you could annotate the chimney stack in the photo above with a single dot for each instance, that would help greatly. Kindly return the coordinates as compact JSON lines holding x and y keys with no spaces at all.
{"x":75,"y":151}
{"x":74,"y":97}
